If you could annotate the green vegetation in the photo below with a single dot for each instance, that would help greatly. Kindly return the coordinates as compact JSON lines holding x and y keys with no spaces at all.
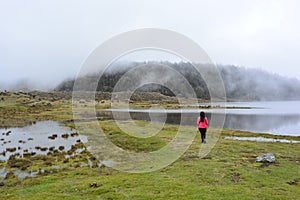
{"x":20,"y":109}
{"x":229,"y":171}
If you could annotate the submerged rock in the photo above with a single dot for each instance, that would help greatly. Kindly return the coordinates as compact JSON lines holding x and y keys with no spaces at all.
{"x":270,"y":158}
{"x":61,"y":148}
{"x":13,"y":149}
{"x":65,"y":136}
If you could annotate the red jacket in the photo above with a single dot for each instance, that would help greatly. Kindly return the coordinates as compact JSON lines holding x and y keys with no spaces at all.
{"x":202,"y":124}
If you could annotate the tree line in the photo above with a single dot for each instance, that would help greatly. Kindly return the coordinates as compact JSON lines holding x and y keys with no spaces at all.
{"x":240,"y":83}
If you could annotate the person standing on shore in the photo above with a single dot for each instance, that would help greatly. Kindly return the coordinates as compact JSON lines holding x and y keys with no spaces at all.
{"x":202,"y":122}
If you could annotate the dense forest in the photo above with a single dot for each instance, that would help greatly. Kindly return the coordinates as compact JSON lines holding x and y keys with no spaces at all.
{"x":240,"y":83}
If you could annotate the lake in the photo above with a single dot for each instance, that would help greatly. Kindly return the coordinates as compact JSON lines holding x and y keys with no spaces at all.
{"x":276,"y":117}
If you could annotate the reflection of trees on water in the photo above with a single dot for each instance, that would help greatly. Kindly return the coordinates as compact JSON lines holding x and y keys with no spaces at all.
{"x":260,"y":123}
{"x":255,"y":123}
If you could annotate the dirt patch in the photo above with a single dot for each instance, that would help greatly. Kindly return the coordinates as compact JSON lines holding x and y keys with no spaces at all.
{"x":294,"y":182}
{"x":236,"y":177}
{"x":189,"y":158}
{"x":207,"y":158}
{"x":264,"y":165}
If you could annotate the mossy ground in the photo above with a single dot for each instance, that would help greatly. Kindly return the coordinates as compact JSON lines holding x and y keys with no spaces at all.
{"x":229,"y":171}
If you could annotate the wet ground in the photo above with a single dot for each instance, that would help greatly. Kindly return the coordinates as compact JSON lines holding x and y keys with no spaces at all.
{"x":262,"y":139}
{"x":42,"y":147}
{"x":37,"y":139}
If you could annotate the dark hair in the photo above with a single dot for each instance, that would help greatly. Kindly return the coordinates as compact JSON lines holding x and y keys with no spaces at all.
{"x":202,"y":116}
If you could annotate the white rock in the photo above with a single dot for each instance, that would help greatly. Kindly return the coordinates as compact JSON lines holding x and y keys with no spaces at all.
{"x":266,"y":158}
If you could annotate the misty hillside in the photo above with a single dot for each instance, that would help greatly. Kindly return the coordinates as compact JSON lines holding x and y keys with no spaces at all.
{"x":240,"y":83}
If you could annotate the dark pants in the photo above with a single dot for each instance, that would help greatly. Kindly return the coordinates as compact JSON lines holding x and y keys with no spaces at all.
{"x":203,"y":134}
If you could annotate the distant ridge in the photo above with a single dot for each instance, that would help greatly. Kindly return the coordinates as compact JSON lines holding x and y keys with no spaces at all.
{"x":241,"y":84}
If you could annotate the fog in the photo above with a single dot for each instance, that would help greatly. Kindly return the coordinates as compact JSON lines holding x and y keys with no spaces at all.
{"x":240,"y":83}
{"x":258,"y":84}
{"x":46,"y":42}
{"x":26,"y":85}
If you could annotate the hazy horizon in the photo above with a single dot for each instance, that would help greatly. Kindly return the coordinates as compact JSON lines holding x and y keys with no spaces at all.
{"x":26,"y":84}
{"x":45,"y":42}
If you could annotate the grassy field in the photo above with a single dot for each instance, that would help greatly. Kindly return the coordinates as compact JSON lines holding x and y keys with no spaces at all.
{"x":229,"y":171}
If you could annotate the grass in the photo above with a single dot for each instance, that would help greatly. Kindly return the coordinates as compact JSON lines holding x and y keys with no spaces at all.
{"x":229,"y":171}
{"x":212,"y":177}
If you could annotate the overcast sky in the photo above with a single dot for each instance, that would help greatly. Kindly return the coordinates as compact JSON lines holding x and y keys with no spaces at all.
{"x":47,"y":40}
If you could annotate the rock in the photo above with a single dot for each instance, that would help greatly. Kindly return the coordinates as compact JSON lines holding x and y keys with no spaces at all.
{"x":270,"y":158}
{"x":93,"y":185}
{"x":7,"y":133}
{"x":295,"y":182}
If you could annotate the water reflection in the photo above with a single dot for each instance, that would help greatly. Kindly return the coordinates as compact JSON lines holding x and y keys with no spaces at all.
{"x":274,"y":124}
{"x":37,"y":139}
{"x":277,"y":124}
{"x":262,"y":139}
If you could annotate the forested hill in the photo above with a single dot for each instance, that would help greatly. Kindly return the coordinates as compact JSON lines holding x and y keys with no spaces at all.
{"x":240,"y":83}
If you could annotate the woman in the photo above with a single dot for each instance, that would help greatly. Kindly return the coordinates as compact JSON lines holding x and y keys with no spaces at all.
{"x":202,"y":122}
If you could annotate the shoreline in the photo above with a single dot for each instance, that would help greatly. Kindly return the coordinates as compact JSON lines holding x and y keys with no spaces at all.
{"x":228,"y":171}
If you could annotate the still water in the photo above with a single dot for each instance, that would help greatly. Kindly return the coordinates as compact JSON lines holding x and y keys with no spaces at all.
{"x":37,"y":139}
{"x":278,"y":117}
